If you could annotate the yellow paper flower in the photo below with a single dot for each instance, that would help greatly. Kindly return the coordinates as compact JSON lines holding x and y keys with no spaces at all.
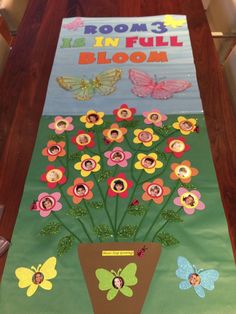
{"x":37,"y":277}
{"x":88,"y":164}
{"x":145,"y":136}
{"x":92,"y":118}
{"x":149,"y":162}
{"x":186,"y":126}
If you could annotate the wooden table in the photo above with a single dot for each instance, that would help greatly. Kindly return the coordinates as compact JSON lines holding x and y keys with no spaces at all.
{"x":24,"y":85}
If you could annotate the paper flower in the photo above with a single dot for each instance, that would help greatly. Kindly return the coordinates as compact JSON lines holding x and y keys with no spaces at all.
{"x":115,"y":133}
{"x":177,"y":146}
{"x":145,"y":136}
{"x":80,"y":190}
{"x":189,"y":200}
{"x":35,"y":277}
{"x":186,"y":126}
{"x":88,"y":164}
{"x":154,"y":117}
{"x":92,"y":118}
{"x":83,"y":139}
{"x":119,"y":185}
{"x":117,"y":157}
{"x":183,"y":171}
{"x":148,"y":162}
{"x":54,"y":150}
{"x":47,"y":203}
{"x":53,"y":176}
{"x":124,"y":113}
{"x":60,"y":124}
{"x":155,"y":191}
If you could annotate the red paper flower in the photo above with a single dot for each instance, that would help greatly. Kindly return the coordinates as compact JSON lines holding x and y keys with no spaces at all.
{"x":80,"y":190}
{"x":177,"y":146}
{"x":53,"y":176}
{"x":83,"y":139}
{"x":119,"y":185}
{"x":124,"y":113}
{"x":183,"y":171}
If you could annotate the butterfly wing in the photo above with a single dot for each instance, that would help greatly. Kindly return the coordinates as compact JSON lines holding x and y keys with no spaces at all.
{"x":24,"y":275}
{"x":199,"y":291}
{"x":129,"y":274}
{"x":105,"y":278}
{"x":48,"y":268}
{"x":166,"y":89}
{"x":128,"y":292}
{"x":208,"y":278}
{"x":111,"y":294}
{"x":104,"y":82}
{"x":82,"y":88}
{"x":75,"y":24}
{"x":184,"y":285}
{"x":185,"y":268}
{"x":143,"y":83}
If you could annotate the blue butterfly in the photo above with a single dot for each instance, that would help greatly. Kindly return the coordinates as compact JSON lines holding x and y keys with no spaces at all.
{"x":198,"y":279}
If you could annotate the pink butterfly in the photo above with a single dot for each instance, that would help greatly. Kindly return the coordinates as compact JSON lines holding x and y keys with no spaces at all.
{"x":75,"y":24}
{"x":145,"y":85}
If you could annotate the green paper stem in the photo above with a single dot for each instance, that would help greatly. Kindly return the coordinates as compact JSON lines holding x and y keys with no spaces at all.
{"x":163,"y":226}
{"x":99,"y":149}
{"x":131,"y":197}
{"x":90,"y":216}
{"x":67,"y":156}
{"x":62,"y":223}
{"x":116,"y":212}
{"x":104,"y":202}
{"x":142,"y":220}
{"x":78,"y":219}
{"x":158,"y":215}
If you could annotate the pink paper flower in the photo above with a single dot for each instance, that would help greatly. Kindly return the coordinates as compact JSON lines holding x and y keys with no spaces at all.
{"x":119,"y":186}
{"x":60,"y":124}
{"x":117,"y":157}
{"x":47,"y":203}
{"x":189,"y":200}
{"x":154,"y":117}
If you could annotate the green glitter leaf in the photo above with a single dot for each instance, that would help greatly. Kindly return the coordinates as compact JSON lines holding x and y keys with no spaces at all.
{"x":103,"y":175}
{"x":51,"y":228}
{"x":57,"y":137}
{"x":164,"y":131}
{"x":77,"y":212}
{"x":161,"y":155}
{"x":171,"y":216}
{"x":188,"y":186}
{"x":127,"y":231}
{"x":75,"y":156}
{"x":64,"y":245}
{"x":103,"y":231}
{"x":136,"y":210}
{"x":96,"y":205}
{"x":166,"y":239}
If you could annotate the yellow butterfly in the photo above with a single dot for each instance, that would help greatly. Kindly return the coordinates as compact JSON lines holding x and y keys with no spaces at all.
{"x":172,"y":22}
{"x":37,"y":277}
{"x":84,"y":89}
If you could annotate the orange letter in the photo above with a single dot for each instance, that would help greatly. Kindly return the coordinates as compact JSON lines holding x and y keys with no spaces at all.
{"x":156,"y":56}
{"x":138,"y":57}
{"x":102,"y":59}
{"x":86,"y":58}
{"x":120,"y":57}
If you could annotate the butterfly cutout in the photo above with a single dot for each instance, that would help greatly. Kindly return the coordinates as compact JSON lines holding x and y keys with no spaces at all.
{"x":169,"y":20}
{"x":198,"y":279}
{"x":84,"y":89}
{"x":119,"y":281}
{"x":145,"y":85}
{"x":75,"y":24}
{"x":35,"y":277}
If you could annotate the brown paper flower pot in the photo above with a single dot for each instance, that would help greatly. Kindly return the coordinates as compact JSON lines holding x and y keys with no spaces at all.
{"x":117,"y":256}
